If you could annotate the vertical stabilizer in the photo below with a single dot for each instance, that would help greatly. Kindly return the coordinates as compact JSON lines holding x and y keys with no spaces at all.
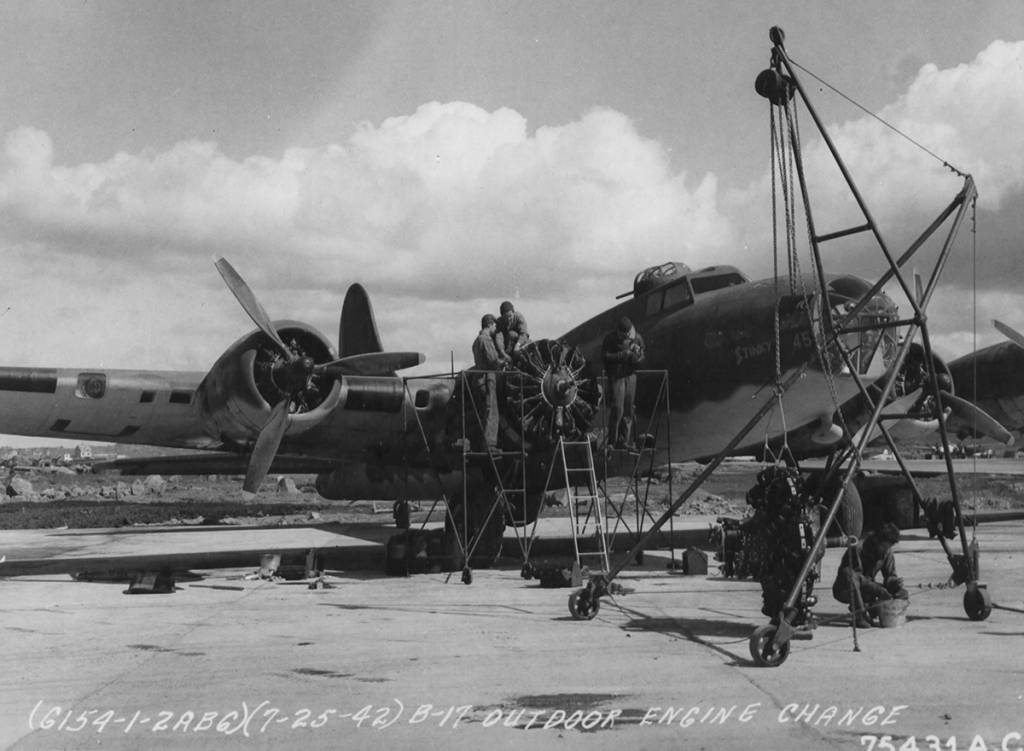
{"x":357,"y":330}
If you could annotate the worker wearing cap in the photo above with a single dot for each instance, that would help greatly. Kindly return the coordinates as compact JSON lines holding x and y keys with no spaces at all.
{"x":860,"y":565}
{"x":487,"y":359}
{"x":623,"y":352}
{"x":512,"y":334}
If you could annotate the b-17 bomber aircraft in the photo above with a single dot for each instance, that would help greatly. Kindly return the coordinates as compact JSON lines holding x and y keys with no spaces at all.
{"x":282,"y":399}
{"x":789,"y":368}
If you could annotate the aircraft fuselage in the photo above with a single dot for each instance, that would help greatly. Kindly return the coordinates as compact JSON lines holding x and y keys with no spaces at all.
{"x":715,"y":336}
{"x":722,"y":342}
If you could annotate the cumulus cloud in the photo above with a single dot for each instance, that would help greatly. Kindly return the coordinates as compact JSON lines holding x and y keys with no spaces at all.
{"x":448,"y":205}
{"x":448,"y":201}
{"x":968,"y":116}
{"x":445,"y":211}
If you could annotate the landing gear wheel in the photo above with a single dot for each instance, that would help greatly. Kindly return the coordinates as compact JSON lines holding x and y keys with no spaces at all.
{"x":761,"y":649}
{"x":583,"y":605}
{"x":467,"y":575}
{"x":977,"y":602}
{"x":850,"y":516}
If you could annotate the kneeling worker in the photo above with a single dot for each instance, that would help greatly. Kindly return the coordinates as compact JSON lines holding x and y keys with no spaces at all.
{"x":860,"y":565}
{"x":512,"y":334}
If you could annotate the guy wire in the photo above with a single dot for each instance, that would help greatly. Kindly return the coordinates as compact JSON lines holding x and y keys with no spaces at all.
{"x":889,"y":125}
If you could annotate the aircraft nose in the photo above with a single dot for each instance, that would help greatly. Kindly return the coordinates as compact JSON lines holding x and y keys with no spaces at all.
{"x":871,"y":340}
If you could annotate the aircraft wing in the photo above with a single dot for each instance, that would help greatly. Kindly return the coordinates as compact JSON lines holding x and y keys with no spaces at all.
{"x":279,"y":393}
{"x":991,"y":377}
{"x":933,"y":467}
{"x":122,"y":406}
{"x":214,"y":463}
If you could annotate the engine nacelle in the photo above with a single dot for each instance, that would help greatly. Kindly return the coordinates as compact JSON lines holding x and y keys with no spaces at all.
{"x":237,"y":395}
{"x":914,"y":373}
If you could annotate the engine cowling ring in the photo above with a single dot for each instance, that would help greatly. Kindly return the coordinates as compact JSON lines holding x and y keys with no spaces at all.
{"x":914,"y":375}
{"x":237,"y":395}
{"x":548,"y":395}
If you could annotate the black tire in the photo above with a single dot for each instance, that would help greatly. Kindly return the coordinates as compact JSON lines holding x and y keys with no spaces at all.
{"x":583,"y":605}
{"x":977,"y":603}
{"x":761,"y":648}
{"x":850,"y":516}
{"x":851,"y":511}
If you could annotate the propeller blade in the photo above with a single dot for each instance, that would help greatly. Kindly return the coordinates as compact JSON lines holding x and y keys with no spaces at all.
{"x":371,"y":363}
{"x":976,"y":417}
{"x":265,"y":450}
{"x":1012,"y":334}
{"x":250,"y":304}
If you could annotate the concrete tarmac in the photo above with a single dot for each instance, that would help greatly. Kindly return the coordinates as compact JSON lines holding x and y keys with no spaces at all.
{"x":428,"y":662}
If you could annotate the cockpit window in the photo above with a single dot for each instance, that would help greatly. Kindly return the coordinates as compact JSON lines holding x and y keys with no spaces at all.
{"x":677,"y":296}
{"x":703,"y":284}
{"x":654,"y":303}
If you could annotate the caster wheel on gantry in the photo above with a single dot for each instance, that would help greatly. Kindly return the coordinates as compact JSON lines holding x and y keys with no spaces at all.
{"x":761,"y":649}
{"x":977,"y":602}
{"x":583,"y":605}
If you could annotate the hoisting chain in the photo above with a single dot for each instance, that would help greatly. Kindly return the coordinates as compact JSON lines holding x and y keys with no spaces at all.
{"x":779,"y":178}
{"x":815,"y":315}
{"x":783,"y":164}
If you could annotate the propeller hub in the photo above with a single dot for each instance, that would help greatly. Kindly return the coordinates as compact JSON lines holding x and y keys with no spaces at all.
{"x":559,"y":388}
{"x":293,"y":375}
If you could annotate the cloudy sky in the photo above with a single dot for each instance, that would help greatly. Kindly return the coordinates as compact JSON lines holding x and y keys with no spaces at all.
{"x":449,"y":155}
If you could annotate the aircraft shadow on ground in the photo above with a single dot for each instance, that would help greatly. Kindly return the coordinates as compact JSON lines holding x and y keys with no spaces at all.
{"x":494,"y":610}
{"x":696,"y":630}
{"x":843,"y":620}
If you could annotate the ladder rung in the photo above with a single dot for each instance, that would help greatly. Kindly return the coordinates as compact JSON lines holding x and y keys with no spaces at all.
{"x":585,"y":509}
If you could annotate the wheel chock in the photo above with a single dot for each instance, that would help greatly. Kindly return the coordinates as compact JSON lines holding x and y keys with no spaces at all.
{"x":151,"y":583}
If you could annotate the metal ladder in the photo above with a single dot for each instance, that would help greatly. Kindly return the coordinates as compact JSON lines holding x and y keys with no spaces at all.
{"x":586,"y":506}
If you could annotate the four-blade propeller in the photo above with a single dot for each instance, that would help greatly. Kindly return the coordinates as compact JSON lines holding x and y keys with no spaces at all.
{"x":293,"y":374}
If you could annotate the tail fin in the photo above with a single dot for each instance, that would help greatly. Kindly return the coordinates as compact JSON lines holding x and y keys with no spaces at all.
{"x":357,"y":330}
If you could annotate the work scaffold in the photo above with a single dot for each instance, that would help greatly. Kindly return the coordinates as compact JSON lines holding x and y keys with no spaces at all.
{"x":553,"y":460}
